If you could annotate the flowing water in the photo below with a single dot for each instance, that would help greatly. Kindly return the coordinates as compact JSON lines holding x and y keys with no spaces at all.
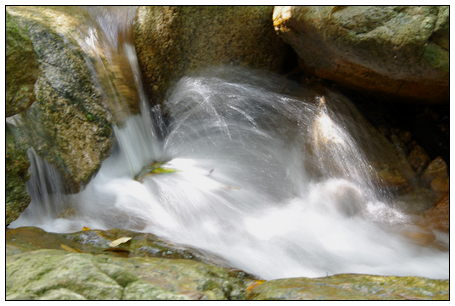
{"x":262,"y":173}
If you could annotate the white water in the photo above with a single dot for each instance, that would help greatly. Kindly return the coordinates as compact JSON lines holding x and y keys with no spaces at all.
{"x":247,"y":187}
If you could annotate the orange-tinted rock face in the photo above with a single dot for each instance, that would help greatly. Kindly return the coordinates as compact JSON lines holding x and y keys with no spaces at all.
{"x":397,"y":51}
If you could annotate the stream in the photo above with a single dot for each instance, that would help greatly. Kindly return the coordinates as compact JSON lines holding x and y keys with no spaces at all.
{"x":265,"y":174}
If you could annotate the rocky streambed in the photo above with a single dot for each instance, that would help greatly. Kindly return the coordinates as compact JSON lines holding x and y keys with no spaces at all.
{"x":54,"y":84}
{"x":83,"y":266}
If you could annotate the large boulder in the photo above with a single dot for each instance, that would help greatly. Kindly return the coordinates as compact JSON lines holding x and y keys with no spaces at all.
{"x":17,"y":173}
{"x":82,"y":266}
{"x":21,"y":68}
{"x":68,"y":124}
{"x":401,"y":52}
{"x":173,"y":41}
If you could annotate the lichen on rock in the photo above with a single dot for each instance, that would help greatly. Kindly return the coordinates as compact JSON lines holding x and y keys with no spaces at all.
{"x":68,"y":124}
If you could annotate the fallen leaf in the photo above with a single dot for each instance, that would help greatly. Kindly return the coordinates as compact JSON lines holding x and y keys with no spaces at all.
{"x":86,"y":229}
{"x":119,"y":241}
{"x":69,"y":249}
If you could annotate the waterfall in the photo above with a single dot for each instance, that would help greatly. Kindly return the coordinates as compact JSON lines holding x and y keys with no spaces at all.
{"x":259,"y":171}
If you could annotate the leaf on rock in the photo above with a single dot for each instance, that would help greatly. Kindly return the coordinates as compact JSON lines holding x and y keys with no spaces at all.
{"x":119,"y":241}
{"x":86,"y":229}
{"x":69,"y":249}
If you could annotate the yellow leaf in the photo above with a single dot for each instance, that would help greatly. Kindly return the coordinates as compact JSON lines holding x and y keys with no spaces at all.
{"x":119,"y":241}
{"x":69,"y":249}
{"x":85,"y":228}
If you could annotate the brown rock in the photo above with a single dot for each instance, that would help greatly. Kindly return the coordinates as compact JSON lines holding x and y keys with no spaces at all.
{"x":175,"y":40}
{"x":418,"y":159}
{"x":440,"y":186}
{"x":438,"y":217}
{"x":397,"y":51}
{"x":437,"y":168}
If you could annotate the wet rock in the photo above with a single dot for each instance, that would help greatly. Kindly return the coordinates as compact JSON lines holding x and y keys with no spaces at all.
{"x":436,"y":168}
{"x":438,"y":217}
{"x":17,"y":173}
{"x":352,"y":287}
{"x":173,"y":41}
{"x":399,"y":145}
{"x":431,"y":138}
{"x":68,"y":124}
{"x":96,"y":242}
{"x":21,"y":68}
{"x":418,"y":159}
{"x":400,"y":52}
{"x":388,"y":168}
{"x":415,"y":201}
{"x":440,"y":186}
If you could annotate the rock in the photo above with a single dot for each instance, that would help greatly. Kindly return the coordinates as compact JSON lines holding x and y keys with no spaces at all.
{"x":389,"y":170}
{"x":440,"y":186}
{"x":418,"y":159}
{"x":21,"y":68}
{"x":438,"y":217}
{"x":25,"y":239}
{"x":58,"y":274}
{"x":111,"y":57}
{"x":436,"y":168}
{"x":399,"y":145}
{"x":17,"y":174}
{"x":431,"y":138}
{"x":415,"y":201}
{"x":51,"y":266}
{"x":172,"y":41}
{"x":400,"y":52}
{"x":68,"y":124}
{"x":352,"y":287}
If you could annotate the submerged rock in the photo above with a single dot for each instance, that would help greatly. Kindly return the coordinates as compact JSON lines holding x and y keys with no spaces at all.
{"x":68,"y":124}
{"x":17,"y":174}
{"x":401,"y":52}
{"x":175,"y":40}
{"x":21,"y":68}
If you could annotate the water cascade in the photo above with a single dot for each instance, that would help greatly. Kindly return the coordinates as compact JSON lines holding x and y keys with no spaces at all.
{"x":262,"y":173}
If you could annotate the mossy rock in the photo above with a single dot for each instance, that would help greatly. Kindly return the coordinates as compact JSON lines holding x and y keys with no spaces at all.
{"x":58,"y":274}
{"x":68,"y":124}
{"x":21,"y":68}
{"x":17,"y":173}
{"x":352,"y":287}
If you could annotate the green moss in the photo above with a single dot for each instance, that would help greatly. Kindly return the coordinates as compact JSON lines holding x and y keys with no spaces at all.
{"x":17,"y":173}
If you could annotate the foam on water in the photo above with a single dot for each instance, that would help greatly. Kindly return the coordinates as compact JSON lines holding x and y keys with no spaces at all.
{"x":242,"y":191}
